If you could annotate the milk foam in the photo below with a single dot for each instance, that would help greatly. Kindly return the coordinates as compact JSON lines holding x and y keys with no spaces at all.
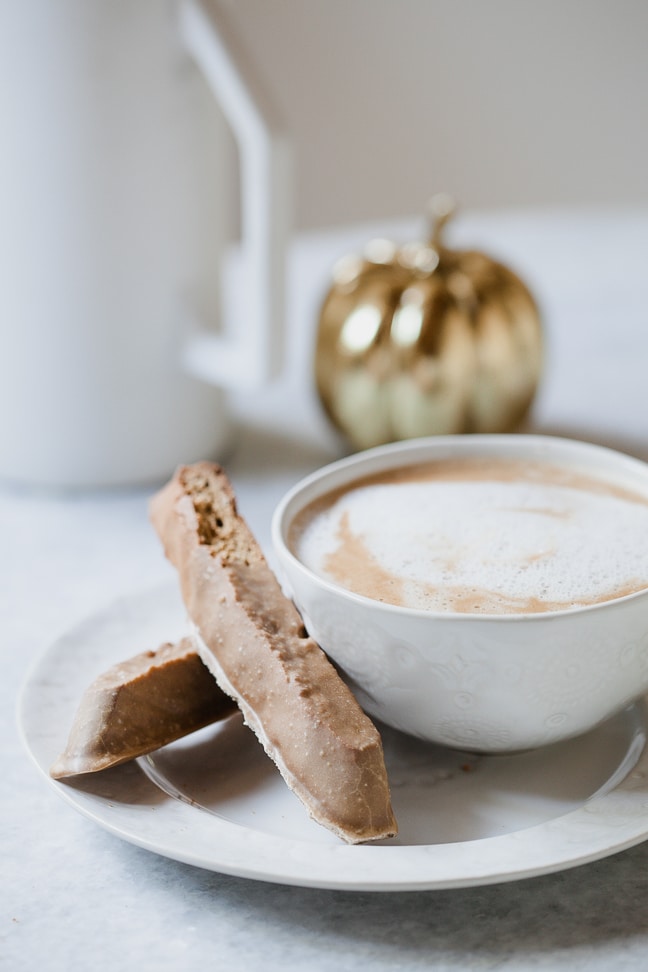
{"x":476,"y":546}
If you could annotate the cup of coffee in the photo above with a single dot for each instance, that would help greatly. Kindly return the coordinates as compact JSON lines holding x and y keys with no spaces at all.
{"x":483,"y":592}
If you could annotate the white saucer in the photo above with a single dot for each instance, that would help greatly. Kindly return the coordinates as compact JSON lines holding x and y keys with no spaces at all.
{"x":214,"y":800}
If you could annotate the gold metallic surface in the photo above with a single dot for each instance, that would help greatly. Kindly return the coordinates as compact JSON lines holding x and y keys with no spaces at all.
{"x":425,"y":340}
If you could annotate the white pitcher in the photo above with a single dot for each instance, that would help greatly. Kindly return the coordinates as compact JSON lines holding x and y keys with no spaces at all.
{"x":115,"y":191}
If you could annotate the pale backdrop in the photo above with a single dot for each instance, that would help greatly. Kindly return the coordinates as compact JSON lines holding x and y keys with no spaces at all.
{"x":500,"y":102}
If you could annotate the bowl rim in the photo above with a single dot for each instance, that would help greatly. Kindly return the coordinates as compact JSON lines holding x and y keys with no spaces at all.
{"x":384,"y":457}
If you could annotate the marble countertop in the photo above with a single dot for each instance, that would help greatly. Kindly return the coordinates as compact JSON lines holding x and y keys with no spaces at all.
{"x":76,"y":897}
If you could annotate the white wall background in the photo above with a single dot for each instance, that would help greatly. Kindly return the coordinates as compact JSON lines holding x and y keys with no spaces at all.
{"x":500,"y":102}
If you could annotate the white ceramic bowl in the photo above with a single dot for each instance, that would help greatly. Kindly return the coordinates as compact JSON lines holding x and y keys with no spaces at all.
{"x":488,"y":683}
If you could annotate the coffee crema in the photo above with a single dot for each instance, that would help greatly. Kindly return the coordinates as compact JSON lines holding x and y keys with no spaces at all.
{"x":479,"y":536}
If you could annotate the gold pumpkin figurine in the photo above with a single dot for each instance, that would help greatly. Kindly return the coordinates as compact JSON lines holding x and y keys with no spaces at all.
{"x":424,"y":340}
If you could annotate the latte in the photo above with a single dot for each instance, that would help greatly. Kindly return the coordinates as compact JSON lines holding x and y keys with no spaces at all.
{"x":479,"y":536}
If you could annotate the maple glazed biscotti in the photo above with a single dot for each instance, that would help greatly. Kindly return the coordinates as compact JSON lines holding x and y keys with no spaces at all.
{"x":138,"y":706}
{"x":253,"y":640}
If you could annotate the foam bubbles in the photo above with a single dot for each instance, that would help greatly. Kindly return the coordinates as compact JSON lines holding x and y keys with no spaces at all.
{"x":481,"y":546}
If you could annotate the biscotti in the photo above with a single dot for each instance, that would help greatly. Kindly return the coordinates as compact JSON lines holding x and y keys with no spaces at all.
{"x":253,"y":640}
{"x":139,"y":705}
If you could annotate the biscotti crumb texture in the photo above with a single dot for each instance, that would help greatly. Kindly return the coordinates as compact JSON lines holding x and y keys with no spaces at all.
{"x":253,"y":640}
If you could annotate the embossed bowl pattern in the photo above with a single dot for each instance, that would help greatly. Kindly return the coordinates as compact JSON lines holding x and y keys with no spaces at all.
{"x":488,"y":683}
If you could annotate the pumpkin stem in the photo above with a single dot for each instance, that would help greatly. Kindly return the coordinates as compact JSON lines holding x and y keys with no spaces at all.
{"x":441,"y":208}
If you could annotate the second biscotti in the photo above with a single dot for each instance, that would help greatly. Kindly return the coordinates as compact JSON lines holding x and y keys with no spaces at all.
{"x":253,"y":640}
{"x":139,"y":705}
